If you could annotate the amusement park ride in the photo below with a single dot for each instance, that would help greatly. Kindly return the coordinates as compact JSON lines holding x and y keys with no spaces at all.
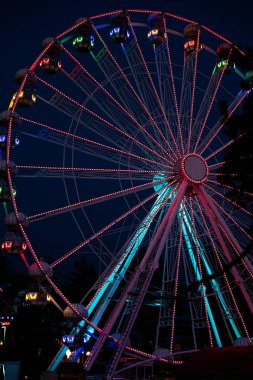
{"x":115,"y":144}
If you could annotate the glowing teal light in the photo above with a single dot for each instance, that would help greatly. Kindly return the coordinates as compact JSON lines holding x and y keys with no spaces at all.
{"x":120,"y":270}
{"x":159,"y":186}
{"x":215,"y":284}
{"x":114,"y":279}
{"x":194,"y":264}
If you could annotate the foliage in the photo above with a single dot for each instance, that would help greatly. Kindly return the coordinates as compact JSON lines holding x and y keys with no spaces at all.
{"x":237,"y":171}
{"x":34,"y":336}
{"x":80,"y":280}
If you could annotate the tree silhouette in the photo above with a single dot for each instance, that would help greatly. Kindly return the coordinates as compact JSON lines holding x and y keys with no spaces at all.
{"x":80,"y":280}
{"x":238,"y":167}
{"x":5,"y":270}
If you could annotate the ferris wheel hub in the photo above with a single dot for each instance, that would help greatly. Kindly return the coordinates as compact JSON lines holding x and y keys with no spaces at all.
{"x":194,"y":168}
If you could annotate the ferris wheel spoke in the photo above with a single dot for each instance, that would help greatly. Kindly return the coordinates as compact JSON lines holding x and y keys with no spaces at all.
{"x":121,"y":87}
{"x":187,"y":96}
{"x":211,"y":212}
{"x":145,"y":82}
{"x":97,"y":144}
{"x":148,"y":138}
{"x":108,"y":124}
{"x":172,"y":87}
{"x":203,"y":288}
{"x":67,"y":142}
{"x":217,"y":165}
{"x":189,"y":270}
{"x":222,"y":296}
{"x":137,"y":144}
{"x":213,"y":174}
{"x":178,"y":264}
{"x":167,"y":278}
{"x":164,"y":90}
{"x":104,"y":229}
{"x":208,"y":101}
{"x":211,"y":267}
{"x":193,"y":273}
{"x":73,"y":112}
{"x":93,"y":173}
{"x":148,"y":262}
{"x":228,"y":199}
{"x":193,"y":90}
{"x":244,"y":257}
{"x":245,"y":270}
{"x":114,"y":114}
{"x":144,"y":147}
{"x":144,"y":91}
{"x":214,"y":131}
{"x":56,"y":174}
{"x":238,"y":224}
{"x":234,"y":213}
{"x":103,"y":154}
{"x":206,"y":106}
{"x":108,"y":103}
{"x":109,"y":66}
{"x":120,"y":265}
{"x":228,"y":215}
{"x":96,"y":200}
{"x":222,"y":147}
{"x":94,"y":251}
{"x":168,"y":283}
{"x":230,"y":187}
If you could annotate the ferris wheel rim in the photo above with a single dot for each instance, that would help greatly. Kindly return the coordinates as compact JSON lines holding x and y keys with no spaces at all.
{"x":32,"y":67}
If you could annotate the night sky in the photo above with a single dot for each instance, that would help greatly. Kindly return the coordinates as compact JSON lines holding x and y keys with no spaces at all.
{"x":25,"y":24}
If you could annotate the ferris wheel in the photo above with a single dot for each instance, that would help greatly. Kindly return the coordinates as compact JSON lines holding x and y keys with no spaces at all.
{"x":115,"y":144}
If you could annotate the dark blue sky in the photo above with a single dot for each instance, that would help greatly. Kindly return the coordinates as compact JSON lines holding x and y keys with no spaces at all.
{"x":25,"y":24}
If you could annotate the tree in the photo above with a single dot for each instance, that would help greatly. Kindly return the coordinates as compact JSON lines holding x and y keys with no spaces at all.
{"x":5,"y":270}
{"x":238,"y":167}
{"x":80,"y":280}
